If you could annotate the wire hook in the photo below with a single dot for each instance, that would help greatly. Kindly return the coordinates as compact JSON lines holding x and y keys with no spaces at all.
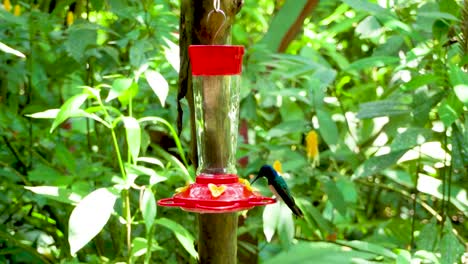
{"x":216,"y":9}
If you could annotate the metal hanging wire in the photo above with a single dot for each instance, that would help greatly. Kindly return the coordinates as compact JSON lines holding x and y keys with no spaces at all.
{"x":216,"y":10}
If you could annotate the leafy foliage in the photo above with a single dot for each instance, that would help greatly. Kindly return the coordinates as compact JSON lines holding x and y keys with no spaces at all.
{"x":87,"y":97}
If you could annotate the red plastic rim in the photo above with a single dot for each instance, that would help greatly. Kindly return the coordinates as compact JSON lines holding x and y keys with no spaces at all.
{"x":210,"y":60}
{"x":201,"y":196}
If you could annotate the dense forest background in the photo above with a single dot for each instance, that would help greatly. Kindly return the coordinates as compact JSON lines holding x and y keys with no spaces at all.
{"x":362,"y":103}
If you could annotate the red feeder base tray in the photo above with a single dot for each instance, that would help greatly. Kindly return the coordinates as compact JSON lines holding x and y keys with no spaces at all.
{"x":216,"y":194}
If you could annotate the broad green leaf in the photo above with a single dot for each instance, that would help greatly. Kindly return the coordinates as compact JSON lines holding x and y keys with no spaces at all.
{"x":282,"y":22}
{"x":270,"y":216}
{"x":369,"y":28}
{"x":287,"y":127}
{"x":51,"y":113}
{"x":450,"y":248}
{"x":89,"y":217}
{"x":450,"y":109}
{"x":428,"y":237}
{"x":119,"y":86}
{"x":433,"y":186}
{"x":438,"y":15}
{"x":285,"y":225}
{"x":319,"y":252}
{"x":148,"y":208}
{"x":184,"y":237}
{"x":377,"y":164}
{"x":382,"y":108}
{"x":335,"y":196}
{"x":410,"y":138}
{"x":142,"y":170}
{"x":328,"y":129}
{"x":372,"y":62}
{"x":400,"y":177}
{"x":419,"y":81}
{"x":140,"y":247}
{"x":133,"y":133}
{"x":48,"y":175}
{"x":348,"y":189}
{"x":80,"y":37}
{"x":68,"y":109}
{"x":364,"y":5}
{"x":459,"y":81}
{"x":290,"y":110}
{"x":150,"y":160}
{"x":369,"y":247}
{"x":60,"y":194}
{"x":404,"y":257}
{"x":158,"y":84}
{"x":5,"y":48}
{"x":313,"y":214}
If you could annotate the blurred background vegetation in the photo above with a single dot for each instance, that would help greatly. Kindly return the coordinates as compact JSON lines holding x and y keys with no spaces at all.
{"x":382,"y":85}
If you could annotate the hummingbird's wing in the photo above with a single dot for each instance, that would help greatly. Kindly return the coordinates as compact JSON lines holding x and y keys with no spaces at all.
{"x":284,"y":194}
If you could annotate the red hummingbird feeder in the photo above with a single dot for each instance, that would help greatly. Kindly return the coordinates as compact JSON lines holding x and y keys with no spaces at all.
{"x":216,"y":73}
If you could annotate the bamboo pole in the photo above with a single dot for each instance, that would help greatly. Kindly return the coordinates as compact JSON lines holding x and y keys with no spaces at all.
{"x":217,"y":234}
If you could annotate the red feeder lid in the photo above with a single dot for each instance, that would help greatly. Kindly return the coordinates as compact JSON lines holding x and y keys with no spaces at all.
{"x":210,"y":60}
{"x":216,"y":194}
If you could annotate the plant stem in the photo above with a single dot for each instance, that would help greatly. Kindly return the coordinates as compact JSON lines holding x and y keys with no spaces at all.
{"x":125,"y":193}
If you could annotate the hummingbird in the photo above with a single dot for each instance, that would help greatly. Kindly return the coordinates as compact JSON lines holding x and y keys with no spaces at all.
{"x":279,"y":187}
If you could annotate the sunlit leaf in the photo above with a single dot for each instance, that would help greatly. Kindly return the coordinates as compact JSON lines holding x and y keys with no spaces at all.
{"x":60,"y":194}
{"x":158,"y":84}
{"x":133,"y":133}
{"x":270,"y":220}
{"x":148,"y":208}
{"x":184,"y":237}
{"x":5,"y":48}
{"x":377,"y":164}
{"x":68,"y":109}
{"x":51,"y":113}
{"x":319,"y":252}
{"x":89,"y":217}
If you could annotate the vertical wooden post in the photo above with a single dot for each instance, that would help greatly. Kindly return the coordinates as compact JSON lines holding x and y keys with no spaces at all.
{"x":217,"y":235}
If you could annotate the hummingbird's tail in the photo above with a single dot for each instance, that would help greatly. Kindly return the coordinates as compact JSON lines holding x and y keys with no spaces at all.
{"x":296,"y":211}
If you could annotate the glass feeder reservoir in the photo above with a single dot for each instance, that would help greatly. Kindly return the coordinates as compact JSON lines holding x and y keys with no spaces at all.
{"x":216,"y":73}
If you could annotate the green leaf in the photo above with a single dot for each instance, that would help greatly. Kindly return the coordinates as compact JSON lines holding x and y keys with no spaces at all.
{"x":364,"y":5}
{"x":335,"y":196}
{"x":400,"y":177}
{"x":282,"y":22}
{"x":140,"y":247}
{"x":60,"y":194}
{"x":450,"y":109}
{"x":133,"y":133}
{"x":438,"y":15}
{"x":450,"y":248}
{"x":459,"y":81}
{"x":270,"y":217}
{"x":158,"y":84}
{"x":51,"y":113}
{"x":411,"y":137}
{"x":69,"y":109}
{"x":319,"y":252}
{"x":313,"y":214}
{"x":285,"y":225}
{"x":377,"y":164}
{"x":89,"y":217}
{"x":119,"y":86}
{"x":369,"y":28}
{"x":372,"y":62}
{"x":286,"y":128}
{"x":382,"y":108}
{"x":184,"y":237}
{"x":328,"y":129}
{"x":369,"y":247}
{"x":428,"y":236}
{"x":290,"y":110}
{"x":148,"y":208}
{"x":80,"y":37}
{"x":433,"y":186}
{"x":419,"y":81}
{"x":404,"y":257}
{"x":5,"y":48}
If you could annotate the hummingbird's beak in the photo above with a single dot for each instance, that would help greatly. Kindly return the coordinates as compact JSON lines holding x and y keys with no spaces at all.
{"x":256,"y":178}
